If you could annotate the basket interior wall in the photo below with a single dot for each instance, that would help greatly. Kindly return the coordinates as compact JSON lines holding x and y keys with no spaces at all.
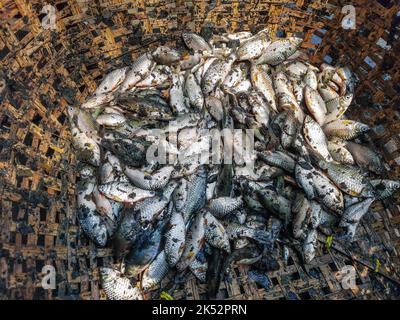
{"x":44,"y":70}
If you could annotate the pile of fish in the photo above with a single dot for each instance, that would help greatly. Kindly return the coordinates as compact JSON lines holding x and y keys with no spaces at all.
{"x":307,"y":172}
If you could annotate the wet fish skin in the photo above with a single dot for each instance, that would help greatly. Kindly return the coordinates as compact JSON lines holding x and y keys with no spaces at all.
{"x":216,"y":74}
{"x":196,"y":193}
{"x":309,"y":246}
{"x":301,"y":209}
{"x":124,"y":192}
{"x":337,"y":106}
{"x":215,"y":233}
{"x":195,"y":42}
{"x":155,"y":273}
{"x":222,"y":206}
{"x":126,"y":233}
{"x":339,"y":152}
{"x":111,"y":119}
{"x":195,"y":239}
{"x":111,"y":81}
{"x":384,"y":187}
{"x":118,"y":287}
{"x":274,"y":202}
{"x":316,"y":139}
{"x":178,"y":101}
{"x":253,"y":47}
{"x":279,"y":50}
{"x":285,"y":96}
{"x":193,"y":92}
{"x":87,"y":148}
{"x":278,"y":159}
{"x":199,"y":268}
{"x":355,"y":212}
{"x":149,"y":209}
{"x":175,"y":238}
{"x":97,"y":101}
{"x":348,"y":179}
{"x":154,"y":181}
{"x":365,"y":157}
{"x":263,"y":83}
{"x":139,"y":69}
{"x":90,"y":220}
{"x":166,"y":56}
{"x":345,"y":129}
{"x":235,"y":230}
{"x":315,"y":104}
{"x":144,"y":250}
{"x":304,"y":172}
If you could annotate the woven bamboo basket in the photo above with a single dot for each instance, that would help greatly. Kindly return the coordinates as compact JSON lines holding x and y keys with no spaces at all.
{"x":44,"y":69}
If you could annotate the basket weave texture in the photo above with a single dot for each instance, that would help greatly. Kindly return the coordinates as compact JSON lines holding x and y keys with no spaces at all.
{"x":44,"y":70}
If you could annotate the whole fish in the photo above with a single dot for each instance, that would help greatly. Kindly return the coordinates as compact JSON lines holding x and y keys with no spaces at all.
{"x":166,"y":56}
{"x":345,"y":129}
{"x":278,"y":159}
{"x":215,"y":233}
{"x":253,"y":47}
{"x":315,"y":104}
{"x":111,"y":81}
{"x":285,"y":96}
{"x":315,"y":137}
{"x":124,"y":192}
{"x":216,"y":74}
{"x":279,"y":50}
{"x":263,"y":83}
{"x":118,"y":287}
{"x":348,"y":179}
{"x":138,"y":71}
{"x":90,"y":220}
{"x":97,"y":101}
{"x":195,"y":42}
{"x":196,"y":193}
{"x":193,"y":92}
{"x":222,"y":206}
{"x":195,"y":238}
{"x":175,"y":238}
{"x":154,"y":181}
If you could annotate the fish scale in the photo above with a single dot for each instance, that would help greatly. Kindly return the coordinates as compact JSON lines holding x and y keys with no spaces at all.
{"x":188,"y":216}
